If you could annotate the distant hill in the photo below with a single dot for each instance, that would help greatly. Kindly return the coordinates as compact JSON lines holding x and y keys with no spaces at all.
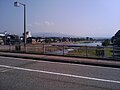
{"x":101,"y":37}
{"x":42,"y":34}
{"x":52,"y":34}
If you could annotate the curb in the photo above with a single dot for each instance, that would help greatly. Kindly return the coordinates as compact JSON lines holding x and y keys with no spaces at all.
{"x":95,"y":62}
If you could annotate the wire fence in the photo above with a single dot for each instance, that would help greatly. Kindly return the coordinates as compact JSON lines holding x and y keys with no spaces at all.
{"x":111,"y":52}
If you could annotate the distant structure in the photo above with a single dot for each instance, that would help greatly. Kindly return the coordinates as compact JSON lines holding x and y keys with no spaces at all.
{"x":7,"y":39}
{"x":2,"y":37}
{"x":1,"y":41}
{"x":2,"y":34}
{"x":28,"y":34}
{"x":29,"y":37}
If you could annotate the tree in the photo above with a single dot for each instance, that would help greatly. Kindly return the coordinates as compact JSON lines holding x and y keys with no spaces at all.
{"x":116,"y":42}
{"x":106,"y":42}
{"x":116,"y":39}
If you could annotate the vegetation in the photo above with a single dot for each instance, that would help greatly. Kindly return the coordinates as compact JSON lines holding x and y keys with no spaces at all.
{"x":92,"y":52}
{"x":106,"y":42}
{"x":116,"y":39}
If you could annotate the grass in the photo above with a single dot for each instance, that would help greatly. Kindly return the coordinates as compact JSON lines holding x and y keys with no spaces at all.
{"x":90,"y":52}
{"x":108,"y":52}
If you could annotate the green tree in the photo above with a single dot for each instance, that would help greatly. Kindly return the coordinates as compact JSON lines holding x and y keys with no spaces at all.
{"x":106,"y":42}
{"x":116,"y":39}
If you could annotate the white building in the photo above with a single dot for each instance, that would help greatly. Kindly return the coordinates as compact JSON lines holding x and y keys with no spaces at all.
{"x":2,"y":34}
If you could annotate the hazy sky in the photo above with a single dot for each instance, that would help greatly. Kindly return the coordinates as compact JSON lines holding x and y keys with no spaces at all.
{"x":91,"y":18}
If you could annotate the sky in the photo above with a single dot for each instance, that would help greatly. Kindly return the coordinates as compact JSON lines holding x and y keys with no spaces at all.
{"x":84,"y":18}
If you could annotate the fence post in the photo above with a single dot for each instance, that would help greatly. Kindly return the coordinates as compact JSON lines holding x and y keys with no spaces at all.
{"x":113,"y":52}
{"x":43,"y":48}
{"x":63,"y":50}
{"x":10,"y":48}
{"x":86,"y":51}
{"x":26,"y":49}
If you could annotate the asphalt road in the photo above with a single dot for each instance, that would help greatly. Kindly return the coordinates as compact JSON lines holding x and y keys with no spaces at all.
{"x":27,"y":74}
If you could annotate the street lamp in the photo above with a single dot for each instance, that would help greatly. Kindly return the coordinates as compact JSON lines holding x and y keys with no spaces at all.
{"x":17,"y":4}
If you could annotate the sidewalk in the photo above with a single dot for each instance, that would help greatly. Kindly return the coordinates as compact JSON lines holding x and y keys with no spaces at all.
{"x":96,"y":62}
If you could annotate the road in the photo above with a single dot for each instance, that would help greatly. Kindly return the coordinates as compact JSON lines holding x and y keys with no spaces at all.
{"x":28,"y":74}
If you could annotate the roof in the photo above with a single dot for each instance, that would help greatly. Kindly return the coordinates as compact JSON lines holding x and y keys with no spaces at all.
{"x":2,"y":34}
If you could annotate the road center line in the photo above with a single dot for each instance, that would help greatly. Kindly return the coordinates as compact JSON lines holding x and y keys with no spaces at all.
{"x":61,"y":74}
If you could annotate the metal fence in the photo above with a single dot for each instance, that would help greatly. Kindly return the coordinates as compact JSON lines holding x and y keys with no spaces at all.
{"x":111,"y":52}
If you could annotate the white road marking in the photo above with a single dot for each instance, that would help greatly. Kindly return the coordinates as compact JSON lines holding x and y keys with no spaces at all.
{"x":61,"y":74}
{"x":61,"y":63}
{"x":6,"y":70}
{"x":2,"y":69}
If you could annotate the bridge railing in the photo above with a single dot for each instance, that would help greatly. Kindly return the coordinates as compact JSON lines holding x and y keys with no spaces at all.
{"x":110,"y":52}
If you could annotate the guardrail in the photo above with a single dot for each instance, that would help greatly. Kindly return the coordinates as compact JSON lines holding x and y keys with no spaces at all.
{"x":110,"y":52}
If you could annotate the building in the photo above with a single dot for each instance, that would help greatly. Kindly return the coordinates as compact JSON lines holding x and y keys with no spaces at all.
{"x":2,"y":37}
{"x":2,"y":34}
{"x":28,"y":34}
{"x":1,"y":41}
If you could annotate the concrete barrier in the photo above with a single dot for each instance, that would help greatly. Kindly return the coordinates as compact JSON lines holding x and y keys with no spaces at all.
{"x":63,"y":59}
